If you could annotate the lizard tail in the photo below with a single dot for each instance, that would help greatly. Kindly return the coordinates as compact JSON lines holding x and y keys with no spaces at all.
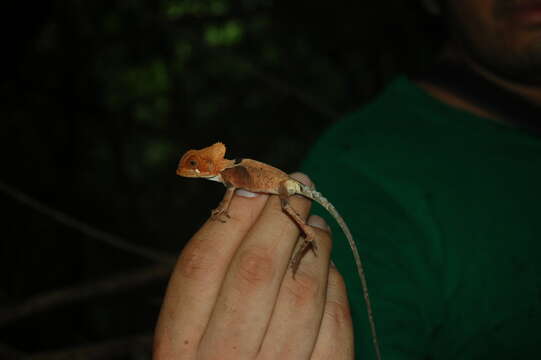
{"x":320,"y":199}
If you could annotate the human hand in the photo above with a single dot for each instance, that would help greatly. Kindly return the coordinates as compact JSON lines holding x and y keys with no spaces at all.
{"x":232,"y":294}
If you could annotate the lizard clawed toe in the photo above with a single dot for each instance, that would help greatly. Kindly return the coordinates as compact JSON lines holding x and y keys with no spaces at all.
{"x":218,"y":215}
{"x":315,"y":248}
{"x":299,"y":253}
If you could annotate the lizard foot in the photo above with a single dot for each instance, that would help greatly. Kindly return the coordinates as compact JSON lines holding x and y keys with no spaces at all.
{"x":299,"y":253}
{"x":220,"y":215}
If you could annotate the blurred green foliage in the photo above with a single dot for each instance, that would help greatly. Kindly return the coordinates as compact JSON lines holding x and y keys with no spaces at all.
{"x":227,"y":34}
{"x":102,"y":97}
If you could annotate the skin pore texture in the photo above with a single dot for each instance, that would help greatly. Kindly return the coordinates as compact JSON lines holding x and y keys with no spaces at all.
{"x":501,"y":40}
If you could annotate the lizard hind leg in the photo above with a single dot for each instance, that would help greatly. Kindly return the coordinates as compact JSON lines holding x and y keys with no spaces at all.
{"x":309,"y":240}
{"x":222,"y":210}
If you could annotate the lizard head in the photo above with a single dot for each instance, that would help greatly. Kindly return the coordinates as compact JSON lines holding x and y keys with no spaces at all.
{"x":202,"y":163}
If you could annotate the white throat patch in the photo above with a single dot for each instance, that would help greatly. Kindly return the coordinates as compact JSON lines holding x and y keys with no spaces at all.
{"x":217,"y":178}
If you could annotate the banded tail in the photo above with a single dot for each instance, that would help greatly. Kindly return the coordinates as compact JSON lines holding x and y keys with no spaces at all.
{"x":320,"y":199}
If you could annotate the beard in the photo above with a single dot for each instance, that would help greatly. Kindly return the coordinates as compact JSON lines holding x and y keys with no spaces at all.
{"x":502,"y":49}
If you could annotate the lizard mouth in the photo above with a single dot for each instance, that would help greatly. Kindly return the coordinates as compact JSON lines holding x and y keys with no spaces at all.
{"x":194,"y":173}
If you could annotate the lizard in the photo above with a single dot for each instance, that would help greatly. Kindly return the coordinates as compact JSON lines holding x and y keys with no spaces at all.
{"x":254,"y":176}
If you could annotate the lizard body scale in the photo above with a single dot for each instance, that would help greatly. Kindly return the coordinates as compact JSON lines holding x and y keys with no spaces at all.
{"x":251,"y":175}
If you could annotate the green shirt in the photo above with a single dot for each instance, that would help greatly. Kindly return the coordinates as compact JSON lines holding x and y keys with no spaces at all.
{"x":444,"y":207}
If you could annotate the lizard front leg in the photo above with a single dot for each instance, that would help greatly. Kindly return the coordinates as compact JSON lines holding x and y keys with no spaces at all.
{"x":288,"y":188}
{"x":223,"y":206}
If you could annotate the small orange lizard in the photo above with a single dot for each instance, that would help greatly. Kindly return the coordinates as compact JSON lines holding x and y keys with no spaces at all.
{"x":210,"y":163}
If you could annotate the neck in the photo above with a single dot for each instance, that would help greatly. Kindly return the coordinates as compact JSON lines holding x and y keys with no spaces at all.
{"x":529,"y":93}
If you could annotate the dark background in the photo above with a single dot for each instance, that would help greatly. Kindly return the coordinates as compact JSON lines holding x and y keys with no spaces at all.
{"x":100,"y":99}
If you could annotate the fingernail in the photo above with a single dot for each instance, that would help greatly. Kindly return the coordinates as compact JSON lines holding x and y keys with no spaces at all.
{"x":245,"y":193}
{"x":333,"y":265}
{"x":317,"y":221}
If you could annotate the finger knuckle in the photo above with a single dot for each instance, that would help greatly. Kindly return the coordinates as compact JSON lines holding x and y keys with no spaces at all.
{"x":195,"y":262}
{"x":338,"y":312}
{"x":336,"y":281}
{"x":254,"y":267}
{"x":304,"y":289}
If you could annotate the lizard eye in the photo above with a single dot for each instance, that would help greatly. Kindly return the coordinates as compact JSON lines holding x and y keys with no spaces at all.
{"x":193,"y":163}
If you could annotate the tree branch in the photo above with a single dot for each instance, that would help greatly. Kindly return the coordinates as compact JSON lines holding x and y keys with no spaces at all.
{"x":56,"y":298}
{"x":84,"y":228}
{"x":302,"y":97}
{"x":281,"y":86}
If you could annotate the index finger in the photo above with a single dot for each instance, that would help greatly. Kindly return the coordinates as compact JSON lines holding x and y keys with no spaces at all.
{"x":198,"y":275}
